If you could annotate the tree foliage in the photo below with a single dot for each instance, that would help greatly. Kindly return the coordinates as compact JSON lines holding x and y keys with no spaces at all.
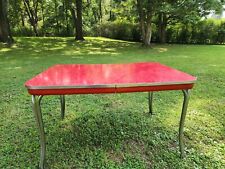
{"x":82,"y":17}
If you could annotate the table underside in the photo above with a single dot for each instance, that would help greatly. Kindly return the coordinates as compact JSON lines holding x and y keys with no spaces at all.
{"x":36,"y":103}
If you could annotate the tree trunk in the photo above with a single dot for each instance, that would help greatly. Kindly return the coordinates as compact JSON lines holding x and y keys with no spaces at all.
{"x":43,"y":17}
{"x":66,"y":18}
{"x":95,"y":15}
{"x":56,"y":16}
{"x":35,"y":29}
{"x":5,"y":34}
{"x":141,"y":19}
{"x":145,"y":20}
{"x":148,"y":36}
{"x":22,"y":19}
{"x":162,"y":24}
{"x":148,"y":30}
{"x":78,"y":21}
{"x":100,"y":10}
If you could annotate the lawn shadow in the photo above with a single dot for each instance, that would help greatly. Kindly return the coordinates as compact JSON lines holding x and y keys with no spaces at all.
{"x":115,"y":134}
{"x":30,"y":47}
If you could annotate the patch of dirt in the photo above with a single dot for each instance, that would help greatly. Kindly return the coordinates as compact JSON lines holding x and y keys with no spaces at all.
{"x":117,"y":157}
{"x":138,"y":148}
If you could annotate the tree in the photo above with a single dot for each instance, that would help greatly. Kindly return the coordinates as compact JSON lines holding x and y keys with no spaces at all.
{"x":76,"y":11}
{"x":5,"y":34}
{"x":170,"y":11}
{"x":146,"y":10}
{"x":189,"y":11}
{"x":124,"y":11}
{"x":15,"y":13}
{"x":31,"y":7}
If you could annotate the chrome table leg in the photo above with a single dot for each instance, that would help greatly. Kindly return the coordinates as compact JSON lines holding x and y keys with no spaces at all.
{"x":182,"y":120}
{"x":150,"y":98}
{"x":62,"y":101}
{"x":36,"y":101}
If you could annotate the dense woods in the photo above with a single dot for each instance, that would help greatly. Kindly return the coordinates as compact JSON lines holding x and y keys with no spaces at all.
{"x":137,"y":20}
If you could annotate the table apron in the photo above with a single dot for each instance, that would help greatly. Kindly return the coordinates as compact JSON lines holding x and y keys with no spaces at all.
{"x":71,"y":91}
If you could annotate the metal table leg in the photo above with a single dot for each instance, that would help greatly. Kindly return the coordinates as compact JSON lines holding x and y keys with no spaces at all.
{"x":36,"y":101}
{"x":150,"y":98}
{"x":62,"y":101}
{"x":182,"y":120}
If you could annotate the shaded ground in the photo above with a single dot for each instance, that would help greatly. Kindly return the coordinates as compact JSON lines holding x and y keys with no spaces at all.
{"x":112,"y":131}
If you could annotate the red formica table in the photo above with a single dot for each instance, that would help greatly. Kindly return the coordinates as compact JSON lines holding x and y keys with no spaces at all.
{"x":106,"y":78}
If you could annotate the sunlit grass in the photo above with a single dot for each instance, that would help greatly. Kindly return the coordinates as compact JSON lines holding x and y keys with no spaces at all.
{"x":114,"y":130}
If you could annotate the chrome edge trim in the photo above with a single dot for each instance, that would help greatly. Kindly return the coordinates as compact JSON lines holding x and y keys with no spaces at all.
{"x":110,"y":85}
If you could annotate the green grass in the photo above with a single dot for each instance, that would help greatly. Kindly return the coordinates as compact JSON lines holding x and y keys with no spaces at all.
{"x":112,"y":131}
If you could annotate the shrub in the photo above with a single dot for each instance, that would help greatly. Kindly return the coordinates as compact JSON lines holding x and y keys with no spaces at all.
{"x":22,"y":31}
{"x":118,"y":30}
{"x":221,"y":33}
{"x":204,"y":32}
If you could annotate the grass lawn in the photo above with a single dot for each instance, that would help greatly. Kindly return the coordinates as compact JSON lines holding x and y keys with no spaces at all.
{"x":114,"y":130}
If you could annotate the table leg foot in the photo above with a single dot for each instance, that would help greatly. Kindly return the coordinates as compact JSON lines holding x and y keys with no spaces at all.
{"x":182,"y":120}
{"x":36,"y":101}
{"x":62,"y":101}
{"x":150,"y":99}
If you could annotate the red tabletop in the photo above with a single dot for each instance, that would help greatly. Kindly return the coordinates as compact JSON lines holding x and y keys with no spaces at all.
{"x":108,"y":78}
